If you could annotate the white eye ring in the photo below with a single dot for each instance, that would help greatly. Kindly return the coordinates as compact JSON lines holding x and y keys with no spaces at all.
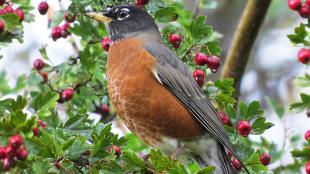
{"x":123,"y":14}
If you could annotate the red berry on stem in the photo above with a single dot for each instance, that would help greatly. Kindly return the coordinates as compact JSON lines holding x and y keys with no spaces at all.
{"x":294,"y":4}
{"x":175,"y":40}
{"x":56,"y":33}
{"x":64,"y":30}
{"x":304,"y":55}
{"x":69,"y":17}
{"x":106,"y":43}
{"x":117,"y":150}
{"x":236,"y":164}
{"x":2,"y":2}
{"x":1,"y":26}
{"x":36,"y":131}
{"x":2,"y":152}
{"x":200,"y":59}
{"x":307,"y":167}
{"x":20,"y":13}
{"x":199,"y":76}
{"x":43,"y":8}
{"x":105,"y":110}
{"x":307,"y":135}
{"x":16,"y":141}
{"x":8,"y":9}
{"x":265,"y":159}
{"x":213,"y":63}
{"x":7,"y":163}
{"x":224,"y":118}
{"x":244,"y":128}
{"x":304,"y":11}
{"x":67,"y":94}
{"x":22,"y":153}
{"x":44,"y":76}
{"x":41,"y":124}
{"x":38,"y":64}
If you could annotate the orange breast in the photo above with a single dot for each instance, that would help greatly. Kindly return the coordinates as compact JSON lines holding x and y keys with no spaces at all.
{"x":147,"y":108}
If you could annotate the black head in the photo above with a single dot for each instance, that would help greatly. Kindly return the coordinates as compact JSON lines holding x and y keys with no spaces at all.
{"x":126,"y":21}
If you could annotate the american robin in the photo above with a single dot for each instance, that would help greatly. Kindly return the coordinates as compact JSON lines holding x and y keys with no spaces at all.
{"x":156,"y":96}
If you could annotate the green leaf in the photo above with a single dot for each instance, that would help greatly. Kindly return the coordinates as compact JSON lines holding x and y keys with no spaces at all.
{"x":302,"y":105}
{"x":40,"y":166}
{"x":260,"y":126}
{"x":279,"y":109}
{"x":299,"y":35}
{"x":302,"y":82}
{"x":43,"y":53}
{"x":45,"y":101}
{"x":198,"y":28}
{"x":167,"y":14}
{"x":134,"y":162}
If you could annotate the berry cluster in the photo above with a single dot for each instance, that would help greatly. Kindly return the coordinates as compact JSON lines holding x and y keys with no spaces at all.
{"x":58,"y":31}
{"x":39,"y":64}
{"x":142,"y":3}
{"x":264,"y":158}
{"x":303,"y":9}
{"x":213,"y":62}
{"x":9,"y":9}
{"x":15,"y":150}
{"x":36,"y":130}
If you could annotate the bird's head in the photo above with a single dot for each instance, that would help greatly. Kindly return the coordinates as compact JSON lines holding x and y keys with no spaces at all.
{"x":126,"y":21}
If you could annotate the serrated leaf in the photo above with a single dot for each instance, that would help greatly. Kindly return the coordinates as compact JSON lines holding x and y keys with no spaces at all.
{"x":167,"y":14}
{"x":45,"y":101}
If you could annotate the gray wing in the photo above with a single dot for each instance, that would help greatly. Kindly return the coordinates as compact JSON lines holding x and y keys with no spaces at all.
{"x":175,"y":76}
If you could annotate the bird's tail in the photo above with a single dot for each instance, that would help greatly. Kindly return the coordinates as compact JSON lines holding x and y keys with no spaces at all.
{"x":225,"y":161}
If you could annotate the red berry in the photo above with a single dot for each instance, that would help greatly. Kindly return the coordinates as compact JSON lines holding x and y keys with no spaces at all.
{"x":307,"y":167}
{"x":8,"y":9}
{"x":224,"y":118}
{"x":294,"y":4}
{"x":199,"y":76}
{"x":22,"y":153}
{"x":2,"y":2}
{"x":67,"y":94}
{"x":20,"y":13}
{"x":142,"y":3}
{"x":105,"y":110}
{"x":244,"y":128}
{"x":304,"y":55}
{"x":308,"y":2}
{"x":41,"y":124}
{"x":175,"y":40}
{"x":106,"y":43}
{"x":10,"y":151}
{"x":64,"y":30}
{"x":117,"y":150}
{"x":44,"y":76}
{"x":69,"y":17}
{"x":36,"y":131}
{"x":7,"y":163}
{"x":1,"y":26}
{"x":307,"y":135}
{"x":56,"y":33}
{"x":200,"y":59}
{"x":304,"y":11}
{"x":43,"y":8}
{"x":236,"y":164}
{"x":265,"y":159}
{"x":2,"y":152}
{"x":38,"y":64}
{"x":16,"y":141}
{"x":57,"y":164}
{"x":213,"y":63}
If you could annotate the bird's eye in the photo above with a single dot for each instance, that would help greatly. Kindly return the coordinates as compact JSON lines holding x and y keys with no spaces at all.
{"x":123,"y":14}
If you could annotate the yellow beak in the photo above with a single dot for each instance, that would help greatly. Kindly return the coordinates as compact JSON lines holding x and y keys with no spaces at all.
{"x":98,"y":17}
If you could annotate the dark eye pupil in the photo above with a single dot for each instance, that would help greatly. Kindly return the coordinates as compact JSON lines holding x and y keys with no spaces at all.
{"x":123,"y":14}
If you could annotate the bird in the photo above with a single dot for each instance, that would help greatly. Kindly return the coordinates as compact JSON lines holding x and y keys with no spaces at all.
{"x":155,"y":95}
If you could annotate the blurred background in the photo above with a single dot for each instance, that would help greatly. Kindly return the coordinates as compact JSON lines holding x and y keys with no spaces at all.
{"x":272,"y":66}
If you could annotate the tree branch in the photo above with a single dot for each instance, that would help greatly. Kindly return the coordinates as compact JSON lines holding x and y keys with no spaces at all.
{"x":243,"y":41}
